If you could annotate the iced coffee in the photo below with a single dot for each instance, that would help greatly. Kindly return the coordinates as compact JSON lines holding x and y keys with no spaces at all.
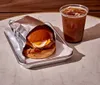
{"x":73,"y":20}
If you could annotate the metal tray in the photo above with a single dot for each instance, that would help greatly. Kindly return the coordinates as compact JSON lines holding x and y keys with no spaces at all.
{"x":16,"y":47}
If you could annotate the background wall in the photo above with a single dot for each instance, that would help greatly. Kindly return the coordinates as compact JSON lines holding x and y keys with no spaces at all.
{"x":9,"y":8}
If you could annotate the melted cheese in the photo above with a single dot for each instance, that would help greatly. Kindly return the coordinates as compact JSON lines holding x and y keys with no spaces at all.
{"x":41,"y":44}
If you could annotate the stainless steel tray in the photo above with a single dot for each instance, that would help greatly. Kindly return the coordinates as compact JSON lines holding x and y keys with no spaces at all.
{"x":16,"y":47}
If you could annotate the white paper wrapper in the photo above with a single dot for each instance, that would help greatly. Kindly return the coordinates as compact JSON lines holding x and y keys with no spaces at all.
{"x":17,"y":43}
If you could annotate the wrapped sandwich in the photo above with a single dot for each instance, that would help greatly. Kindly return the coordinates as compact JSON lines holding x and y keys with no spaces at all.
{"x":40,"y":43}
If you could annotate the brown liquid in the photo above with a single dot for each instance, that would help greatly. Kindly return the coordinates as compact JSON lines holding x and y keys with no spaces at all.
{"x":73,"y":24}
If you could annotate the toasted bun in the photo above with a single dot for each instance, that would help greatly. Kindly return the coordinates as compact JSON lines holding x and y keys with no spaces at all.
{"x":43,"y":54}
{"x":40,"y":33}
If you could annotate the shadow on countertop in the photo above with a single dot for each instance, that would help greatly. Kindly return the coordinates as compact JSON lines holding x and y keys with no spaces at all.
{"x":92,"y":33}
{"x":89,"y":34}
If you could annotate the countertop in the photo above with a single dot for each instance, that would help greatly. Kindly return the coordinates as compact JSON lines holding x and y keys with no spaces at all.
{"x":82,"y":69}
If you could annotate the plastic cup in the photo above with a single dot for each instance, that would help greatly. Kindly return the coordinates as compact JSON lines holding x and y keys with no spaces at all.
{"x":73,"y":21}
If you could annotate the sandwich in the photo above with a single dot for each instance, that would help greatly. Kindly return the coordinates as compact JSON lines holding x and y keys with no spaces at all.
{"x":40,"y":43}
